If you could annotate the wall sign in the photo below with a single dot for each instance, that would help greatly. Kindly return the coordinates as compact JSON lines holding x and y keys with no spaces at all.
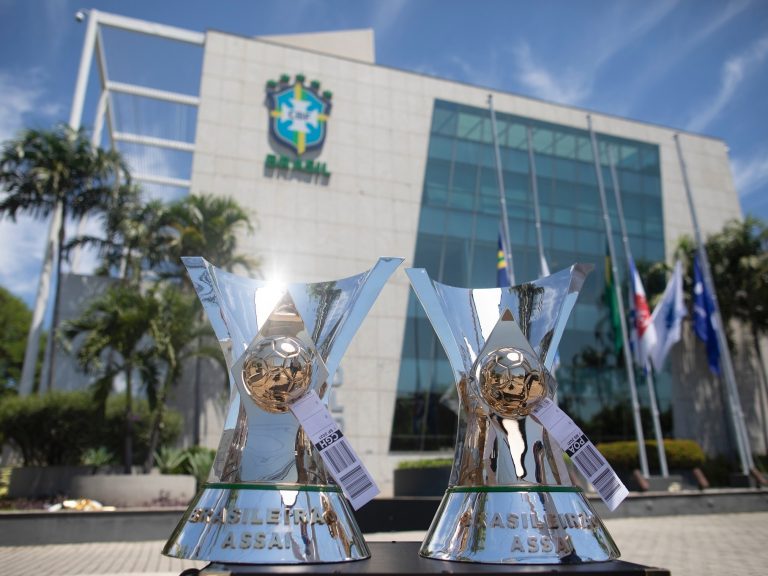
{"x":298,"y":119}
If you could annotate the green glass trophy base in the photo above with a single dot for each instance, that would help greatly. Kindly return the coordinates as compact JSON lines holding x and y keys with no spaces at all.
{"x":531,"y":524}
{"x":244,"y":523}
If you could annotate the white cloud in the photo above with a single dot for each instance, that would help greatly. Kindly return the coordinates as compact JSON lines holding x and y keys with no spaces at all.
{"x":569,"y":87}
{"x":387,"y":13}
{"x":21,"y":257}
{"x":647,"y":77}
{"x":751,"y":174}
{"x":573,"y":83}
{"x":22,"y":94}
{"x":733,"y":73}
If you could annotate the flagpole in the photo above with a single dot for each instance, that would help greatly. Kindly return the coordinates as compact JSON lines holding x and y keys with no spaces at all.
{"x":616,"y":287}
{"x":737,"y":415}
{"x":535,"y":190}
{"x":646,"y":365}
{"x":507,"y":248}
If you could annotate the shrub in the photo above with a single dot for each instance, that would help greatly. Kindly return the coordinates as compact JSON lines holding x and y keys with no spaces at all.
{"x":681,"y":454}
{"x":196,"y":460}
{"x":425,"y":463}
{"x":112,"y":433}
{"x":68,"y":428}
{"x":51,"y":429}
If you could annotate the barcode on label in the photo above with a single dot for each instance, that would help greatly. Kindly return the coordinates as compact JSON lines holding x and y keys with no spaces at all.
{"x":583,"y":453}
{"x":588,"y":460}
{"x":607,"y":484}
{"x":335,"y":450}
{"x":339,"y":455}
{"x":355,"y":482}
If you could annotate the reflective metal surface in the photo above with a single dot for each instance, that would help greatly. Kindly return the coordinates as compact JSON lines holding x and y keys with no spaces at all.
{"x":248,"y":524}
{"x":279,"y":342}
{"x":501,"y":344}
{"x":534,"y":526}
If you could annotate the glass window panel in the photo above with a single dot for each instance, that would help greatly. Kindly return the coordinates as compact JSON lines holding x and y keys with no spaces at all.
{"x":542,"y":140}
{"x":486,"y":133}
{"x":516,"y":137}
{"x":566,"y":169}
{"x":634,"y":226}
{"x":651,"y":186}
{"x":455,"y":265}
{"x":564,"y":237}
{"x":589,"y":219}
{"x":653,"y":227}
{"x":459,"y":224}
{"x":588,"y":241}
{"x":436,"y":195}
{"x":562,"y":216}
{"x":584,"y":149}
{"x":514,"y":160}
{"x":464,"y":177}
{"x":440,"y":147}
{"x":565,"y":145}
{"x":629,"y":181}
{"x":432,"y":220}
{"x":629,"y":157}
{"x":428,"y":252}
{"x":461,"y":199}
{"x":545,"y":166}
{"x":444,"y":121}
{"x":467,"y":152}
{"x":585,"y":173}
{"x":489,"y":183}
{"x":649,"y":159}
{"x":469,"y":127}
{"x":487,"y":228}
{"x":654,"y":249}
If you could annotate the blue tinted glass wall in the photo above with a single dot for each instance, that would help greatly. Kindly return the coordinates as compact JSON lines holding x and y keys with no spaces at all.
{"x":457,"y":244}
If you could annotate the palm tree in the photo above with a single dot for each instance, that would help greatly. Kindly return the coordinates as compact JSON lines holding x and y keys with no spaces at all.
{"x":138,"y":237}
{"x":207,"y":226}
{"x":116,"y":331}
{"x":175,"y":330}
{"x":58,"y":173}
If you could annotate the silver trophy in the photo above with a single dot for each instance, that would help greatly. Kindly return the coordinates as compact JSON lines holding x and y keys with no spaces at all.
{"x":269,"y":498}
{"x":510,"y":498}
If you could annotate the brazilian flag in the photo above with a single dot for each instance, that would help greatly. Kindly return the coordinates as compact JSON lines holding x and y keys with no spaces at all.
{"x":502,"y":274}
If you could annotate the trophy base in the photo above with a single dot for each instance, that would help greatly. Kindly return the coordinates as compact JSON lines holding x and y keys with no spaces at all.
{"x":242,"y":523}
{"x":530,"y":524}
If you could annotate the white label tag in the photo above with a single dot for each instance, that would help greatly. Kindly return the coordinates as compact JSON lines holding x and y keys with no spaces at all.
{"x":336,"y":451}
{"x":582,"y":452}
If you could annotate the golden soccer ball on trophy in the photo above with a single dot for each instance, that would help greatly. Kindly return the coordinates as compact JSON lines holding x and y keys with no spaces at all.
{"x":512,"y":382}
{"x":277,"y":372}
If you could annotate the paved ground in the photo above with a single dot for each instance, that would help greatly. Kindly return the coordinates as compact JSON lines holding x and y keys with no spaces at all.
{"x":687,"y":545}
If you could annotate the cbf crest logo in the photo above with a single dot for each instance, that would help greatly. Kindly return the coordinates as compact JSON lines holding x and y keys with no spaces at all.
{"x":298,"y":114}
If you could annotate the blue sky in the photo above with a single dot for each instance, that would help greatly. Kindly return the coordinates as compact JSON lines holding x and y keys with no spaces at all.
{"x":698,"y":65}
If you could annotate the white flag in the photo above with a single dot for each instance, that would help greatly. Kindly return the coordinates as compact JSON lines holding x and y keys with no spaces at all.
{"x":667,"y":317}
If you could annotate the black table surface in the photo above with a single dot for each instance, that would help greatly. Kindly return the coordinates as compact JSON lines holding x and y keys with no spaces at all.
{"x":403,"y":558}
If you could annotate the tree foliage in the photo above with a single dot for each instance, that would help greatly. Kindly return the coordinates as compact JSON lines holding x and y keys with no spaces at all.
{"x":738,"y":257}
{"x":41,"y":169}
{"x":15,"y":318}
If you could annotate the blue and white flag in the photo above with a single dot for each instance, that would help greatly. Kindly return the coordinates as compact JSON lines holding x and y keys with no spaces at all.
{"x":703,"y":322}
{"x":668,"y":317}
